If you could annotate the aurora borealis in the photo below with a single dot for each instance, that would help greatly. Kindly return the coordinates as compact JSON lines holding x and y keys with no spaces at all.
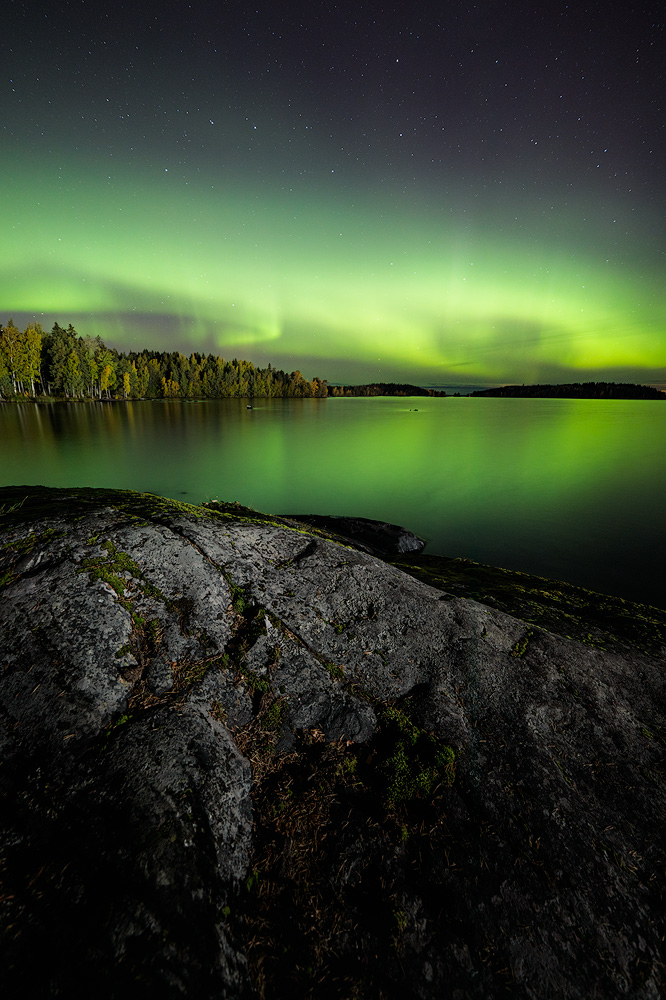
{"x":469,"y":196}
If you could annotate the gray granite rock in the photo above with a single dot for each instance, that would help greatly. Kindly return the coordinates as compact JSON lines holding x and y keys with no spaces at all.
{"x":215,"y":725}
{"x":376,"y":537}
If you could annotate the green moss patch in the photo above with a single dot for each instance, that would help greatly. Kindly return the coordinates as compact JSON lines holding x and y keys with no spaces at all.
{"x":520,"y":647}
{"x":410,"y":763}
{"x":108,"y":568}
{"x":335,"y":670}
{"x":111,"y":565}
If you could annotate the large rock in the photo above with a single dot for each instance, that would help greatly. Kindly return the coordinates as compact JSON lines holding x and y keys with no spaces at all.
{"x":379,"y":538}
{"x":239,"y":759}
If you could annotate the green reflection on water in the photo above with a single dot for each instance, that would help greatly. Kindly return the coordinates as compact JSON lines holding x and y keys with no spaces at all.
{"x":565,"y":488}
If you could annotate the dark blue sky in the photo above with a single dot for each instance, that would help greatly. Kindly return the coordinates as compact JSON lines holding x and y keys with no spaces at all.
{"x":453,"y":136}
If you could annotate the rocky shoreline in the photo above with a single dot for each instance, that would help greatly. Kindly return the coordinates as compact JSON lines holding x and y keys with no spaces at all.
{"x":241,"y":759}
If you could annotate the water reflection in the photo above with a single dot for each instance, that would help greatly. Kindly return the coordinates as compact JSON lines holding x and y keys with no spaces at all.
{"x":564,"y":488}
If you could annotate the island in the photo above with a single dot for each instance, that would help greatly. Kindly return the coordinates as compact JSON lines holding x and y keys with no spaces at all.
{"x":575,"y":390}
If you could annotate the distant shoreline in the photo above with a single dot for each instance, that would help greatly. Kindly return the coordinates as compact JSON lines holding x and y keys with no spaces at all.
{"x":575,"y":390}
{"x":61,"y":365}
{"x":569,"y":390}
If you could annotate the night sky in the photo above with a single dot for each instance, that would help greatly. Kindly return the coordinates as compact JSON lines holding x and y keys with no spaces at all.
{"x":445,"y":193}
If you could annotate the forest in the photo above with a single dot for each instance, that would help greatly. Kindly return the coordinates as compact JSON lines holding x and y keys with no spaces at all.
{"x":63,"y":365}
{"x":382,"y":389}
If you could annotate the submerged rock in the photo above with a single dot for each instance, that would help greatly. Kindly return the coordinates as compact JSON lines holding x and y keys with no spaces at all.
{"x":240,"y":759}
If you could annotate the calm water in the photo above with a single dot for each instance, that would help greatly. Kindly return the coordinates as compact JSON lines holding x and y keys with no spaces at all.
{"x":571,"y":489}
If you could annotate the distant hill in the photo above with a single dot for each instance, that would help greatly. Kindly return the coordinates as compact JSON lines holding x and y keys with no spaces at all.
{"x":382,"y":389}
{"x":576,"y":390}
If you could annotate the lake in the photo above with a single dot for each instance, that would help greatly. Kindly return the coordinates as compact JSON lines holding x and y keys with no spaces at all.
{"x":569,"y":489}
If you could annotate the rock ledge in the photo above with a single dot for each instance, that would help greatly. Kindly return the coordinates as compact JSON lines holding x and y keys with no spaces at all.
{"x":242,"y":760}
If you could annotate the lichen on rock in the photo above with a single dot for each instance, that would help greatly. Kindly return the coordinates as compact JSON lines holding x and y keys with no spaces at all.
{"x":242,"y":759}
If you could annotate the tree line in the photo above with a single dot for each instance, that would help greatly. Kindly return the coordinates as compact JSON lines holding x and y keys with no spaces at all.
{"x":62,"y":364}
{"x":576,"y":390}
{"x":382,"y":389}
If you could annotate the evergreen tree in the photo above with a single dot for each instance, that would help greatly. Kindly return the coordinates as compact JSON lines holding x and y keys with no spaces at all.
{"x":59,"y":345}
{"x":154,"y":388}
{"x":87,"y":348}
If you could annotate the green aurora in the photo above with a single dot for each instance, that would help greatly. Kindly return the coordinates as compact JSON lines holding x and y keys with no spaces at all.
{"x":358,"y":287}
{"x":440,"y":195}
